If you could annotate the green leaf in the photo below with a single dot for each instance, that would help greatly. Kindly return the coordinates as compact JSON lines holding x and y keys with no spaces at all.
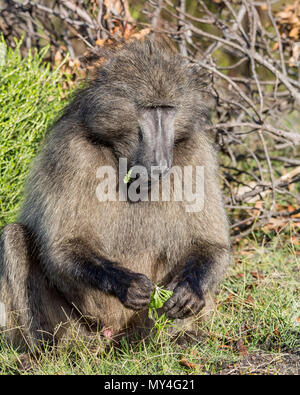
{"x":127,"y":177}
{"x":158,"y":299}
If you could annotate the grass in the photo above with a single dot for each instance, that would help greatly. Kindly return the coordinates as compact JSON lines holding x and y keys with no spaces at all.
{"x":255,"y":326}
{"x":30,"y":97}
{"x":255,"y":323}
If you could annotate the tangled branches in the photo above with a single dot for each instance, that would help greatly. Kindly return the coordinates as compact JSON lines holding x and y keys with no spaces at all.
{"x":255,"y":91}
{"x":254,"y":63}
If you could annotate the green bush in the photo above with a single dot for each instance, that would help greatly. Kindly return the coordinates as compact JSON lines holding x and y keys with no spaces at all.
{"x":30,"y":99}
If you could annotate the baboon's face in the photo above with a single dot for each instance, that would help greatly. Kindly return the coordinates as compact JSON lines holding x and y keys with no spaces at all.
{"x":144,"y":104}
{"x":146,"y":134}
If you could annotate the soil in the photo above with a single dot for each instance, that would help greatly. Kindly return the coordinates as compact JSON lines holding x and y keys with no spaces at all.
{"x":265,"y":364}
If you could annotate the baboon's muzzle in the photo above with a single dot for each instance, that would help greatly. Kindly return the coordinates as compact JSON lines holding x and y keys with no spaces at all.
{"x":157,"y":139}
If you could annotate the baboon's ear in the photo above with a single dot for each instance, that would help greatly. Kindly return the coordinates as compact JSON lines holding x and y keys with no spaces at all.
{"x":201,"y":80}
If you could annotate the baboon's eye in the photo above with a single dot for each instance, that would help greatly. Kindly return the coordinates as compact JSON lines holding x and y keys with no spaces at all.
{"x":155,"y":107}
{"x":181,"y":140}
{"x":162,"y":107}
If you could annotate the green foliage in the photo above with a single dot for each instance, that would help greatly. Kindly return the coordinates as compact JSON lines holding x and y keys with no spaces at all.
{"x":127,"y":177}
{"x":158,"y":299}
{"x":30,"y":98}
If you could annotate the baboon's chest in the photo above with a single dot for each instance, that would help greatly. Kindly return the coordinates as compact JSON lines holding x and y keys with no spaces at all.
{"x":154,"y":231}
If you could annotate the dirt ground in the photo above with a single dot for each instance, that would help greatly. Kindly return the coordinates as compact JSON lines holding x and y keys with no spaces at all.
{"x":265,"y":364}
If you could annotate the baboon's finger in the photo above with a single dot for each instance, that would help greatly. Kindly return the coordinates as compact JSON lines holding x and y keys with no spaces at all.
{"x":176,"y":303}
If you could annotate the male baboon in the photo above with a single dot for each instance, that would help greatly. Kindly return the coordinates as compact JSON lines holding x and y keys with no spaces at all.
{"x":71,"y":255}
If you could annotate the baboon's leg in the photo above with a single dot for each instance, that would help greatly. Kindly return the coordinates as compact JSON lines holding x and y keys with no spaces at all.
{"x":75,"y":268}
{"x":33,"y":309}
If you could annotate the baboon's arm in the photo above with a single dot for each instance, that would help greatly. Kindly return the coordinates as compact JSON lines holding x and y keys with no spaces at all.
{"x":74,"y":265}
{"x":201,"y":274}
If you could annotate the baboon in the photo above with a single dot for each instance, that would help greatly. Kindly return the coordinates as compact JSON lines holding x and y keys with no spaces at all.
{"x":71,"y":257}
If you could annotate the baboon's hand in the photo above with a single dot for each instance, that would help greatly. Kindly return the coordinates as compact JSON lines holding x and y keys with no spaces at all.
{"x":134,"y":290}
{"x":187,"y":298}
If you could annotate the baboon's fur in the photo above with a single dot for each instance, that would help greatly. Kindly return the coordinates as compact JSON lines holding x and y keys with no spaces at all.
{"x":69,"y":249}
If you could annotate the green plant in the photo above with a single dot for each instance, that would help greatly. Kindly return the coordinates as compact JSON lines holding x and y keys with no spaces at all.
{"x":158,"y":298}
{"x":127,"y":177}
{"x":30,"y":96}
